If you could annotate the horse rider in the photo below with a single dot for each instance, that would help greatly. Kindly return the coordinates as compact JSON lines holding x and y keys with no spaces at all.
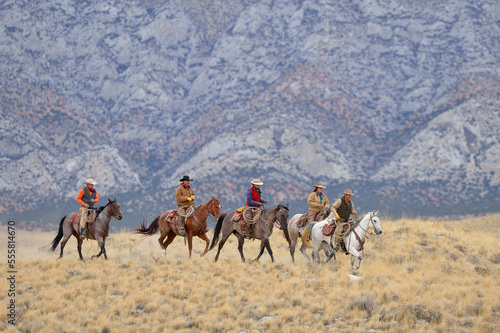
{"x":342,"y":209}
{"x":87,"y":197}
{"x":317,"y":202}
{"x":184,"y":195}
{"x":254,"y":196}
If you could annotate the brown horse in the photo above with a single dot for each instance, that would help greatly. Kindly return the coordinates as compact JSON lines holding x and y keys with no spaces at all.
{"x":262,"y":230}
{"x":96,"y":230}
{"x":195,"y":225}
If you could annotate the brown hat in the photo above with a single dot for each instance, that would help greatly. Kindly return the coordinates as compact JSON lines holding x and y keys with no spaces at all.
{"x":348,"y":192}
{"x":319,"y":185}
{"x":257,"y":181}
{"x":90,"y":181}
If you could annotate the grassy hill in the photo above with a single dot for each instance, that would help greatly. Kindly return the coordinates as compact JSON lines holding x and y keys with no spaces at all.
{"x":417,"y":276}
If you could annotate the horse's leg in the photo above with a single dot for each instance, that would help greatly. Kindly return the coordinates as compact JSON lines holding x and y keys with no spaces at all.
{"x":205,"y":238}
{"x":63,"y":243}
{"x":303,"y":249}
{"x":170,"y":238}
{"x":355,"y":254}
{"x":190,"y":243}
{"x":162,"y":245}
{"x":102,"y":242}
{"x":268,"y":247}
{"x":293,"y":242}
{"x":315,"y":253}
{"x":241,"y":241}
{"x":222,"y":242}
{"x":79,"y":246}
{"x":262,"y":247}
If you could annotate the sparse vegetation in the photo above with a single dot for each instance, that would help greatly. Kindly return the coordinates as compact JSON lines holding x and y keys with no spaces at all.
{"x":417,"y":276}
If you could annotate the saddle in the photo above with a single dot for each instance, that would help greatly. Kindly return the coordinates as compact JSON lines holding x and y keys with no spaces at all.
{"x":328,"y":229}
{"x":246,"y":229}
{"x":302,"y":222}
{"x":172,"y":219}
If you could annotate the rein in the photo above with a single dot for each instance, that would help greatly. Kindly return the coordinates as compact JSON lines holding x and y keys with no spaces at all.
{"x":207,"y":215}
{"x":362,"y":241}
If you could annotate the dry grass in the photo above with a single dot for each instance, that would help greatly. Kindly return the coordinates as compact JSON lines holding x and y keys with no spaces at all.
{"x":418,"y":276}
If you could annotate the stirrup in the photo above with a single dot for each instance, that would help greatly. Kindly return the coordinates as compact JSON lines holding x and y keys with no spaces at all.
{"x":182,"y":232}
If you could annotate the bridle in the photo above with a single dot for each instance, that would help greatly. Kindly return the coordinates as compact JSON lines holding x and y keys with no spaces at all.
{"x":209,"y":215}
{"x":368,"y":225}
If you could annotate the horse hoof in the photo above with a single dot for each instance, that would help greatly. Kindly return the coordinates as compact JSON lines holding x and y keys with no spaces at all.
{"x":91,"y":258}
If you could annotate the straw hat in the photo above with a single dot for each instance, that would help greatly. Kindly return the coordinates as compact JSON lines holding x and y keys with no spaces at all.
{"x":257,"y":181}
{"x":348,"y":192}
{"x":319,"y":185}
{"x":90,"y":181}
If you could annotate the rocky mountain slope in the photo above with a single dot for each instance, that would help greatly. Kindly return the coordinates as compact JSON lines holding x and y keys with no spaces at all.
{"x":398,"y":100}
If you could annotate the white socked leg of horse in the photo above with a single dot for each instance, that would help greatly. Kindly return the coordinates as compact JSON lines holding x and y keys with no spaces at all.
{"x":355,"y":254}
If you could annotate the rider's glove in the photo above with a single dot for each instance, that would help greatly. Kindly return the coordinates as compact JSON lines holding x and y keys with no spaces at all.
{"x":337,"y":216}
{"x":263,"y":201}
{"x":354,"y":212}
{"x":189,"y":199}
{"x":193,"y":197}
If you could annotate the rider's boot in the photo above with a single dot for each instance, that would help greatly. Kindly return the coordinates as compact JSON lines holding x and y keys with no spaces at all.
{"x":82,"y":233}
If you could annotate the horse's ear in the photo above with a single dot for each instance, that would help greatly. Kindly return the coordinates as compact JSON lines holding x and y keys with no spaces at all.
{"x":376,"y":213}
{"x":109,"y":200}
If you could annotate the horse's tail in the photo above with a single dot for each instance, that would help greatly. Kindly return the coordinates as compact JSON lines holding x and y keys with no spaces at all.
{"x":59,"y":235}
{"x":306,"y":236}
{"x":217,"y":230}
{"x":148,"y":231}
{"x":284,"y":226}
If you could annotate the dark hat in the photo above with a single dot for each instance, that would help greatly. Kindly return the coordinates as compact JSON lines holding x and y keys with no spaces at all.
{"x":185,"y":178}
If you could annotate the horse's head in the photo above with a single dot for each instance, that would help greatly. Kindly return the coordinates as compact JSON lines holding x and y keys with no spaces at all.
{"x":282,"y":214}
{"x":114,"y":209}
{"x":215,"y":207}
{"x":375,"y":221}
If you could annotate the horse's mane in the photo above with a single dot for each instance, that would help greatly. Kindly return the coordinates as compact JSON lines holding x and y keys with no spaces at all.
{"x":101,"y":208}
{"x":282,"y":206}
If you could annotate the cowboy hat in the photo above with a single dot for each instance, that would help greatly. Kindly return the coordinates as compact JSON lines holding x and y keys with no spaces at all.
{"x":348,"y":192}
{"x":185,"y":178}
{"x":319,"y":185}
{"x":90,"y":181}
{"x":257,"y":181}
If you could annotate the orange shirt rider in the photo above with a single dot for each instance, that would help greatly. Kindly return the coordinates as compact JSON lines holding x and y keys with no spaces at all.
{"x":86,"y":197}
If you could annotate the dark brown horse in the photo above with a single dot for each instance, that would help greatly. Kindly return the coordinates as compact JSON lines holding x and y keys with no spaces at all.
{"x":96,"y":230}
{"x":195,"y":225}
{"x":262,"y":229}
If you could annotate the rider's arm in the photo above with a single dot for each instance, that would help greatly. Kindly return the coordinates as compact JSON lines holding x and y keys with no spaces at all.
{"x":181,"y":199}
{"x":312,"y":203}
{"x":96,"y":197}
{"x":336,"y":206}
{"x":79,"y":197}
{"x":326,"y":201}
{"x":250,"y":199}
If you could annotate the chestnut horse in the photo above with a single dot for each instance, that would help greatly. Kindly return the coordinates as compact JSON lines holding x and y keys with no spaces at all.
{"x":96,"y":230}
{"x":195,"y":225}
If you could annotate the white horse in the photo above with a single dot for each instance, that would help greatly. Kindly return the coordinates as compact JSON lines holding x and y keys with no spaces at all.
{"x":353,"y":241}
{"x":293,"y":233}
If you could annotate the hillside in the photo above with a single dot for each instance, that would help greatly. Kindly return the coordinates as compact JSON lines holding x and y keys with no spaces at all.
{"x":398,"y":100}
